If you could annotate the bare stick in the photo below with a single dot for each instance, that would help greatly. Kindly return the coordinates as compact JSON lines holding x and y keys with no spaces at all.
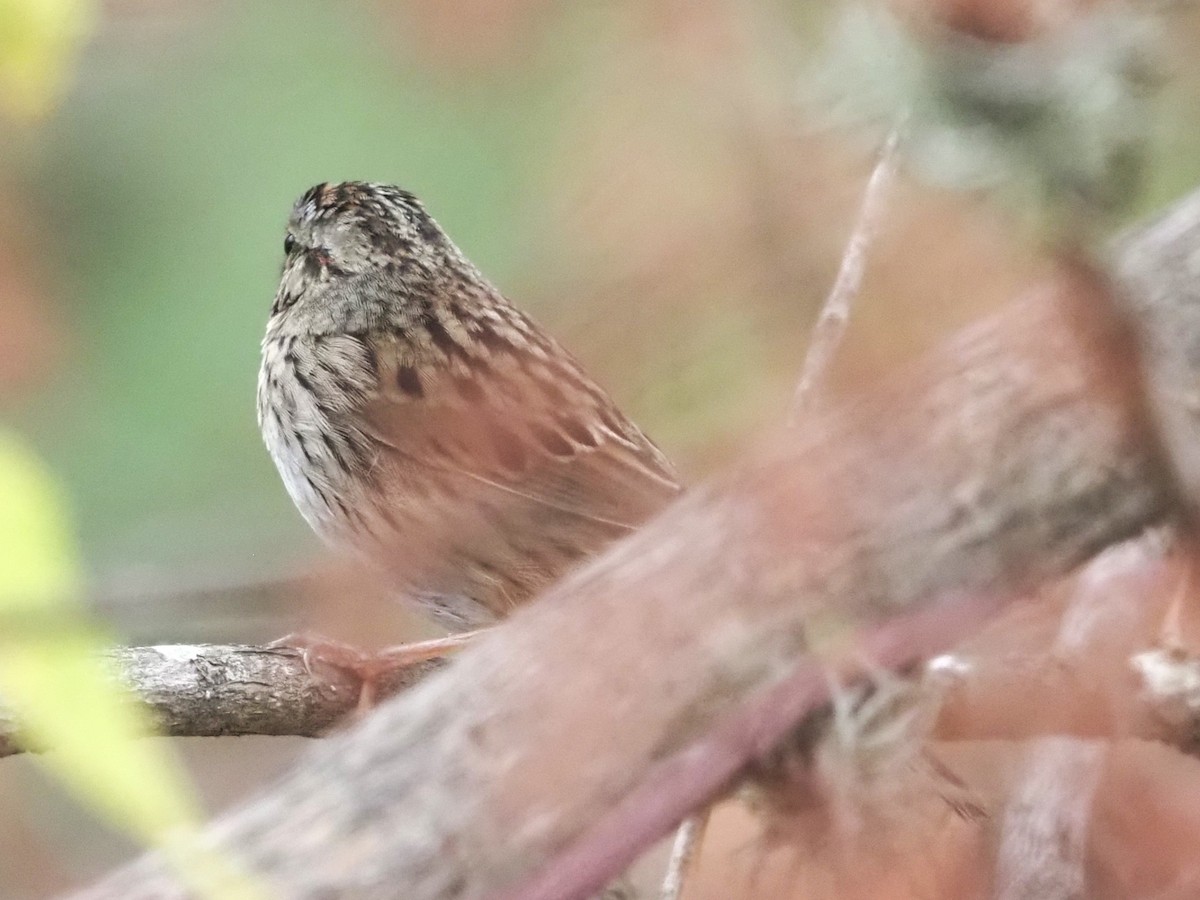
{"x":205,"y":690}
{"x":688,"y":840}
{"x":835,"y":314}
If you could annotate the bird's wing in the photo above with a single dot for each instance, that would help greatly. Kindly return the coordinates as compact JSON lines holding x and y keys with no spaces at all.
{"x":513,"y":422}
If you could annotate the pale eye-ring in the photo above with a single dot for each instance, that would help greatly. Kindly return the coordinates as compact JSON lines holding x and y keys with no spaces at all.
{"x":289,"y":244}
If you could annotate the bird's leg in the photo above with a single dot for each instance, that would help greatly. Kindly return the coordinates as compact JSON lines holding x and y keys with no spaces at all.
{"x":407,"y":658}
{"x":316,"y":650}
{"x":410,"y":654}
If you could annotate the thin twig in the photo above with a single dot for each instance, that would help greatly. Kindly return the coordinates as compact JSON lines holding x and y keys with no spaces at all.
{"x":826,"y":338}
{"x":201,"y":690}
{"x":835,"y":314}
{"x":688,"y":839}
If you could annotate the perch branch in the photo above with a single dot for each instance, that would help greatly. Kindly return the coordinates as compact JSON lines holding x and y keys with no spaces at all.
{"x":205,"y":690}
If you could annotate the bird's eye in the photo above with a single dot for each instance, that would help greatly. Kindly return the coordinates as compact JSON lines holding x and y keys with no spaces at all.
{"x":289,"y":244}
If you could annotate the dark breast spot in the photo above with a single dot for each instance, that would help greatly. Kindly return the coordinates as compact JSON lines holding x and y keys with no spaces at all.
{"x":408,"y":379}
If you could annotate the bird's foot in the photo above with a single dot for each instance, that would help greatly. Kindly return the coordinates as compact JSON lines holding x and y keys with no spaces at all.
{"x":379,"y":672}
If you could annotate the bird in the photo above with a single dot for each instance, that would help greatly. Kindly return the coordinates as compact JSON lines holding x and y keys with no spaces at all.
{"x":422,"y":422}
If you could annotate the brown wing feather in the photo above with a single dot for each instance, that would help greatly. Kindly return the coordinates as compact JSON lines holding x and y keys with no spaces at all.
{"x":531,"y":424}
{"x":503,"y":458}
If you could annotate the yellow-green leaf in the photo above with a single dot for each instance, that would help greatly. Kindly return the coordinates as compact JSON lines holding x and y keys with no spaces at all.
{"x":39,"y":40}
{"x":53,"y":678}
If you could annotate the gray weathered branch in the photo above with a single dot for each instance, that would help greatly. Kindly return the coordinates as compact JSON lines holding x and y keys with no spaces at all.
{"x":546,"y":755}
{"x":205,"y":690}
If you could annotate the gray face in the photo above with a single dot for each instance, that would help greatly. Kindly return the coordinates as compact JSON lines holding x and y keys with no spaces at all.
{"x":356,"y":253}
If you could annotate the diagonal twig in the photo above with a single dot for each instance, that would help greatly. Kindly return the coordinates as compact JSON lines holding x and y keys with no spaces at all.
{"x":835,"y":314}
{"x":826,"y":338}
{"x":684,"y":850}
